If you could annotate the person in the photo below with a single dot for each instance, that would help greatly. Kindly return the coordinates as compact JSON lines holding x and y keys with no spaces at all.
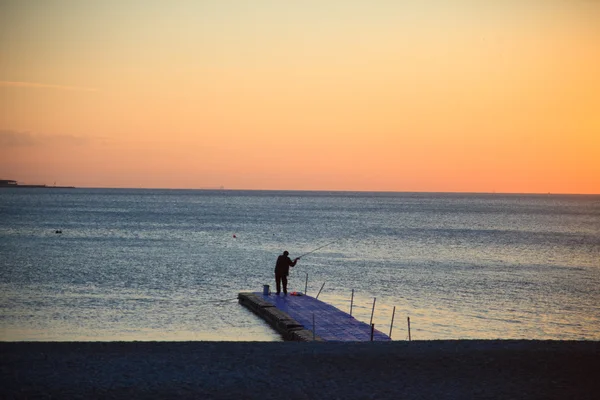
{"x":282,"y":269}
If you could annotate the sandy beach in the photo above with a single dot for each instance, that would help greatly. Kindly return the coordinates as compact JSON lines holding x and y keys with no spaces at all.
{"x":275,"y":370}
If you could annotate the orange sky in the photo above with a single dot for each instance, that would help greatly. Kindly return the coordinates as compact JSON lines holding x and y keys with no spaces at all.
{"x":459,"y":96}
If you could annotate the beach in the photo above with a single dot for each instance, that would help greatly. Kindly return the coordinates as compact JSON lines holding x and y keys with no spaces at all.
{"x":462,"y":369}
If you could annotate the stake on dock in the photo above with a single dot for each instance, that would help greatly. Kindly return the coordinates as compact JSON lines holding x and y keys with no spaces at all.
{"x":372,"y":331}
{"x":322,"y":286}
{"x":351,"y":302}
{"x":306,"y":283}
{"x":314,"y":326}
{"x":408,"y":318}
{"x":392,"y":324}
{"x":373,"y":310}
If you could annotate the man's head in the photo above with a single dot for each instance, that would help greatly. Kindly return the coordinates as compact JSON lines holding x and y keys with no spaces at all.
{"x":285,"y":253}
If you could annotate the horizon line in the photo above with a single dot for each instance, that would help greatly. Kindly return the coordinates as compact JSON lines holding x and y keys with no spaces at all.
{"x":221,"y":188}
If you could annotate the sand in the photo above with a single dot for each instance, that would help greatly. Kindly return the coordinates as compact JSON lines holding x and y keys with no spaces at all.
{"x":286,"y":370}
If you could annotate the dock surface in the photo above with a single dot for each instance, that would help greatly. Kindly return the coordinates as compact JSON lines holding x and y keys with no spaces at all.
{"x":292,"y":317}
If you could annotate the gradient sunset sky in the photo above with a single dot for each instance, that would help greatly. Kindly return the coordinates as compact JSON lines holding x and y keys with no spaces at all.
{"x":381,"y":95}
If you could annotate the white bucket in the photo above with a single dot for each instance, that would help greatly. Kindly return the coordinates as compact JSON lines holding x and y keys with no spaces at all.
{"x":265,"y":290}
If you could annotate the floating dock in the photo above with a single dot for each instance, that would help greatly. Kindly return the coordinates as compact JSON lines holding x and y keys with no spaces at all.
{"x":292,"y":316}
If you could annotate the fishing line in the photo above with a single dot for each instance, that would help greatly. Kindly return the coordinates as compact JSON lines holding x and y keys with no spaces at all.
{"x":327,"y":244}
{"x":319,"y":248}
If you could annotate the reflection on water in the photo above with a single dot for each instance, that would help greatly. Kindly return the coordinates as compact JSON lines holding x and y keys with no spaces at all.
{"x":75,"y":315}
{"x":444,"y":321}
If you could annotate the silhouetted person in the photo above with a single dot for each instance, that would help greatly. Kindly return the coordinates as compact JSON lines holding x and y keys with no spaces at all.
{"x":282,"y":269}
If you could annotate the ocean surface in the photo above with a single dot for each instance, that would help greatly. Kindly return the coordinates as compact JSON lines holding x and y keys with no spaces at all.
{"x":168,"y":264}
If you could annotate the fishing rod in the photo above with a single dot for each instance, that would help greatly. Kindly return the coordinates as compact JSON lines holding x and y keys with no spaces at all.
{"x":319,"y":248}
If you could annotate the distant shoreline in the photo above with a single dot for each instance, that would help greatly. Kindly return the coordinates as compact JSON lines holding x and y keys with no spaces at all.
{"x":13,"y":184}
{"x":490,"y":369}
{"x":36,"y":186}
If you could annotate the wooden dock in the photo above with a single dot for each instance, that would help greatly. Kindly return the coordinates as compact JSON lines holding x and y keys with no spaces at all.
{"x":292,"y":316}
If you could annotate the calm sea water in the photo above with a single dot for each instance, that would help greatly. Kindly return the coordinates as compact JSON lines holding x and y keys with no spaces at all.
{"x":165,"y":265}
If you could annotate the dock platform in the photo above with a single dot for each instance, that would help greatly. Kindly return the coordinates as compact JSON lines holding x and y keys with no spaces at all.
{"x":292,"y":317}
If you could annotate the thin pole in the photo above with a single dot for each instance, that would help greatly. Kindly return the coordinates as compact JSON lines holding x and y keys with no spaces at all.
{"x":314,"y":327}
{"x":408,"y":318}
{"x":306,"y":283}
{"x":392,"y":324}
{"x":328,"y":244}
{"x":372,"y":331}
{"x":323,"y":285}
{"x":351,"y":302}
{"x":373,"y":310}
{"x":319,"y":248}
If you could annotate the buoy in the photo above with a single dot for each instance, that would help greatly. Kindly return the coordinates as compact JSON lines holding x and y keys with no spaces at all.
{"x":58,"y":231}
{"x":235,"y":237}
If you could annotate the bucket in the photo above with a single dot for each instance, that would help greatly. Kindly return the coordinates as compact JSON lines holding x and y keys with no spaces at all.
{"x":265,"y":290}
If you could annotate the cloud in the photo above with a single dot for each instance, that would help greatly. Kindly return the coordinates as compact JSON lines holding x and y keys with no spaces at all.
{"x":10,"y":138}
{"x":45,"y":86}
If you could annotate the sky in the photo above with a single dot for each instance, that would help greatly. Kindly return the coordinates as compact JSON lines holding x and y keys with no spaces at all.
{"x":380,"y":95}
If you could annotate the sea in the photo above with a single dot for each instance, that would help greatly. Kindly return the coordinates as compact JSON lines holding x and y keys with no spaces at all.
{"x":167,"y":265}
